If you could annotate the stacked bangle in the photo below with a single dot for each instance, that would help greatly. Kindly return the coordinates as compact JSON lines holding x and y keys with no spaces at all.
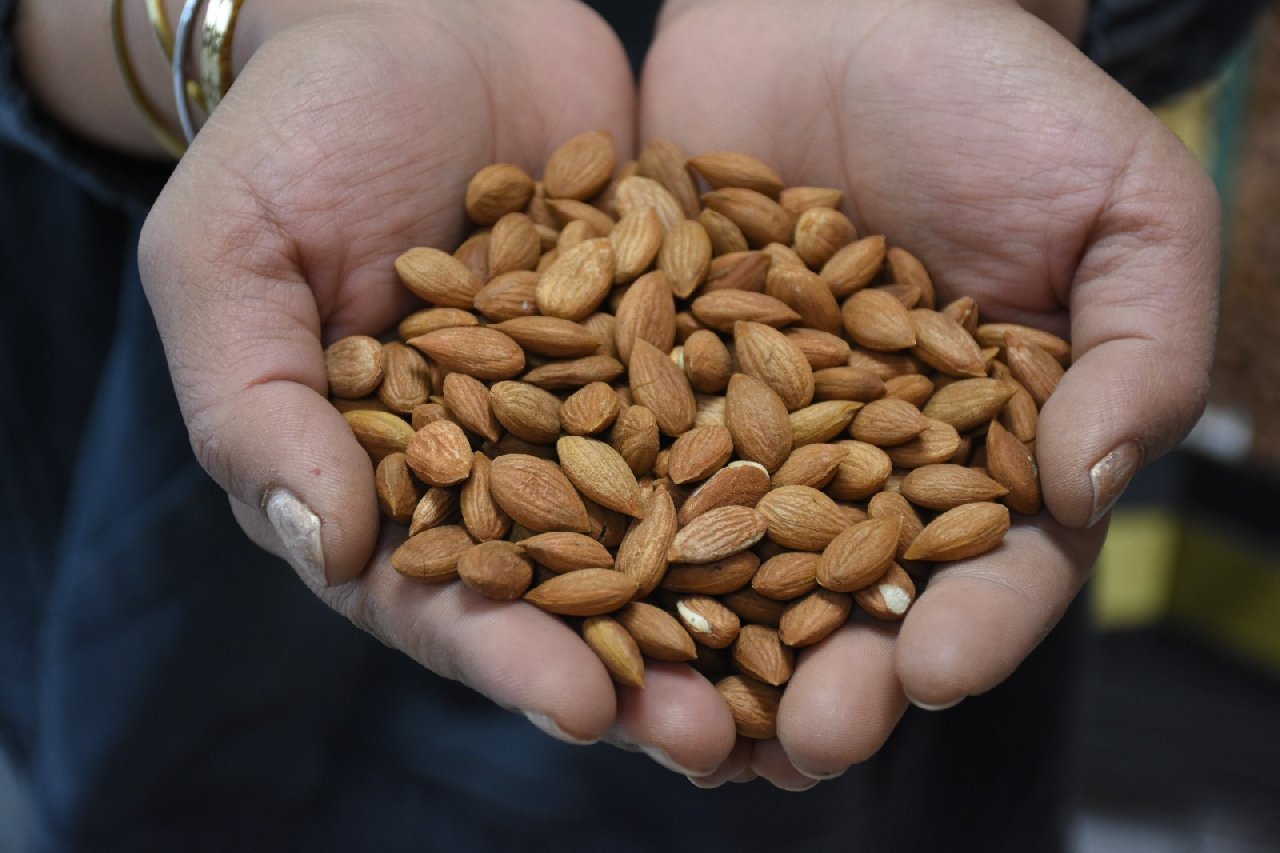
{"x":155,"y":121}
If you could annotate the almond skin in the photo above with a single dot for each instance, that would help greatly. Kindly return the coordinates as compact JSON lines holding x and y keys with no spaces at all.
{"x":1013,"y":466}
{"x":581,"y":166}
{"x":660,"y":385}
{"x":496,"y":191}
{"x":709,"y":621}
{"x":721,"y":309}
{"x":664,"y":162}
{"x":616,"y":648}
{"x":506,"y":297}
{"x":437,"y":277}
{"x":482,"y":517}
{"x":468,"y":400}
{"x":353,"y":366}
{"x":969,"y":403}
{"x":905,"y":268}
{"x":888,"y":422}
{"x":574,"y":373}
{"x":801,"y":517}
{"x":685,"y":257}
{"x":514,"y":244}
{"x":478,"y":351}
{"x":855,"y":266}
{"x":894,"y":505}
{"x":588,"y":592}
{"x":529,"y":412}
{"x":699,"y":453}
{"x":757,"y":419}
{"x":590,"y":410}
{"x":718,"y":578}
{"x":537,"y":494}
{"x":647,"y":311}
{"x":707,"y":362}
{"x":1035,"y":368}
{"x":877,"y":321}
{"x":600,"y":473}
{"x":787,"y":576}
{"x":552,"y":337}
{"x":759,"y":653}
{"x":807,"y":294}
{"x":659,"y":635}
{"x":636,"y":240}
{"x":406,"y":378}
{"x":966,"y":531}
{"x":642,"y":554}
{"x":635,"y":193}
{"x":946,"y":486}
{"x":734,"y":169}
{"x":577,"y":281}
{"x":635,"y":437}
{"x":944,"y":345}
{"x":397,"y":493}
{"x":561,"y":551}
{"x":812,"y":465}
{"x":430,"y":319}
{"x":820,"y":233}
{"x":717,"y":534}
{"x":861,"y":473}
{"x":754,"y":706}
{"x":437,"y":507}
{"x":859,"y":555}
{"x":761,"y":219}
{"x":740,"y":483}
{"x":440,"y":454}
{"x":433,"y":554}
{"x":768,"y":355}
{"x":379,"y":433}
{"x":496,"y":570}
{"x":811,"y":619}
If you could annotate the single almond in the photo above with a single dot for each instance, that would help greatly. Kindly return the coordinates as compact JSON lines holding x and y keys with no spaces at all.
{"x":406,"y":378}
{"x":496,"y":570}
{"x":859,"y":555}
{"x":998,"y":334}
{"x":878,"y":321}
{"x":811,"y":465}
{"x":861,"y":473}
{"x":761,"y":219}
{"x":964,"y":311}
{"x":1020,"y":414}
{"x":438,"y":506}
{"x":567,"y":211}
{"x":429,"y":319}
{"x":801,"y":517}
{"x":758,"y":421}
{"x":699,"y":453}
{"x":945,"y":486}
{"x":433,"y":554}
{"x":648,"y":312}
{"x":905,"y":268}
{"x":616,"y":648}
{"x":1037,"y":370}
{"x":886,"y":365}
{"x":822,"y":421}
{"x":708,"y":621}
{"x":478,"y":351}
{"x":969,"y":403}
{"x":787,"y":576}
{"x":888,"y":422}
{"x":823,"y":350}
{"x":553,"y":337}
{"x":561,"y":551}
{"x":820,"y":233}
{"x":440,"y":454}
{"x":636,"y":193}
{"x":721,"y":309}
{"x":891,"y":505}
{"x":353,"y":366}
{"x":497,"y":190}
{"x":725,"y":236}
{"x":577,"y":281}
{"x":796,"y":200}
{"x":590,"y":410}
{"x":397,"y":493}
{"x":468,"y":399}
{"x":734,"y":169}
{"x":685,"y":256}
{"x":664,"y":162}
{"x":581,"y":166}
{"x":717,"y":534}
{"x":707,"y":362}
{"x":740,"y":483}
{"x":848,"y":383}
{"x":759,"y":653}
{"x":507,"y":296}
{"x":944,"y":345}
{"x":718,"y":578}
{"x":635,"y":437}
{"x":379,"y":433}
{"x":659,"y":384}
{"x":437,"y":277}
{"x":636,"y":240}
{"x":1013,"y":466}
{"x":658,"y":633}
{"x":915,"y":388}
{"x":753,"y":705}
{"x":481,"y":515}
{"x":751,"y":606}
{"x":587,"y":592}
{"x":937,"y":442}
{"x":514,"y":244}
{"x":474,"y":254}
{"x":642,"y":554}
{"x":890,"y":597}
{"x":809,"y":620}
{"x":855,"y":266}
{"x":537,"y":494}
{"x":529,"y":412}
{"x":907,"y":294}
{"x":574,"y":373}
{"x":770,"y":356}
{"x":600,"y":473}
{"x":966,"y":531}
{"x":745,"y":270}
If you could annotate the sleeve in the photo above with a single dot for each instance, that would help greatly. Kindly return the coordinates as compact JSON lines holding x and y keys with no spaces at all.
{"x":111,"y":177}
{"x":1159,"y":48}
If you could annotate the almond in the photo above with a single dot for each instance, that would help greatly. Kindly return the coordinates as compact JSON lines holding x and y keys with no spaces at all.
{"x":946,"y":486}
{"x":658,"y":634}
{"x":1020,"y":414}
{"x":635,"y":437}
{"x":496,"y":570}
{"x":854,"y":267}
{"x":662,"y":161}
{"x":732,"y":169}
{"x":481,"y":515}
{"x":754,"y":706}
{"x":397,"y":493}
{"x":801,"y":517}
{"x":406,"y":378}
{"x":859,"y":555}
{"x":577,"y":281}
{"x":807,"y":294}
{"x":429,"y":319}
{"x":561,"y":551}
{"x":969,"y":403}
{"x":496,"y":191}
{"x":820,"y":233}
{"x":708,"y":621}
{"x":823,"y":350}
{"x":575,"y":373}
{"x":648,"y":312}
{"x":886,"y":365}
{"x":529,"y":412}
{"x":726,"y":237}
{"x":718,"y":578}
{"x":514,"y":244}
{"x":758,"y":421}
{"x":915,"y":388}
{"x":716,"y":534}
{"x":616,"y":648}
{"x":440,"y":454}
{"x":760,"y":654}
{"x":600,"y":473}
{"x":581,"y":166}
{"x":433,"y":554}
{"x":938,"y":442}
{"x":636,"y":193}
{"x":821,"y":421}
{"x":998,"y":334}
{"x":751,"y":606}
{"x":590,"y":410}
{"x":437,"y":277}
{"x":739,"y":484}
{"x":877,"y":321}
{"x":588,"y":592}
{"x":721,"y":309}
{"x":1014,"y":468}
{"x":965,"y":312}
{"x":888,"y":422}
{"x":745,"y":270}
{"x":861,"y":473}
{"x":761,"y":219}
{"x":811,"y":465}
{"x":905,"y":268}
{"x":379,"y":433}
{"x":848,"y":383}
{"x":796,"y":200}
{"x":685,"y":256}
{"x":567,"y":211}
{"x":353,"y":366}
{"x":437,"y":507}
{"x":889,"y":598}
{"x":642,"y":554}
{"x":604,"y":327}
{"x":468,"y":400}
{"x":474,"y":254}
{"x":507,"y":296}
{"x":966,"y":531}
{"x":907,"y":294}
{"x":699,"y":453}
{"x":813,"y":618}
{"x":478,"y":351}
{"x":1034,"y":367}
{"x":660,"y":385}
{"x":944,"y":345}
{"x":636,"y":240}
{"x":553,"y":337}
{"x":537,"y":494}
{"x":787,"y":576}
{"x":893,"y":505}
{"x":707,"y":362}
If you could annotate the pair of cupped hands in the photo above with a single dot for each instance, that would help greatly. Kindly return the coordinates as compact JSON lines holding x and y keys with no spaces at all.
{"x":969,"y":132}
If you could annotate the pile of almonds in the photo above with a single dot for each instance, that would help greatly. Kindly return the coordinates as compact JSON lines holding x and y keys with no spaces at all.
{"x":701,"y":426}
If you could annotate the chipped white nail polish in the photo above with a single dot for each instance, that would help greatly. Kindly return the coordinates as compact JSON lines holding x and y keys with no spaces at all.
{"x":667,"y":761}
{"x":548,"y":726}
{"x":299,"y":531}
{"x":924,"y":706}
{"x":1110,"y":476}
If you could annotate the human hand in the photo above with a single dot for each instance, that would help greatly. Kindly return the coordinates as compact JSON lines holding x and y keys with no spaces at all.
{"x":349,"y":137}
{"x":1021,"y":175}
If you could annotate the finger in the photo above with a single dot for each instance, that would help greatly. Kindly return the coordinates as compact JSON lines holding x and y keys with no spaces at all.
{"x":769,"y":761}
{"x":735,"y":768}
{"x":842,"y":703}
{"x":978,"y":619}
{"x":678,"y":719}
{"x":1143,"y":314}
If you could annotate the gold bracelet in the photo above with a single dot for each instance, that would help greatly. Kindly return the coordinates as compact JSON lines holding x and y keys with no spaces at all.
{"x":154,"y":120}
{"x":160,"y":26}
{"x":215,"y":50}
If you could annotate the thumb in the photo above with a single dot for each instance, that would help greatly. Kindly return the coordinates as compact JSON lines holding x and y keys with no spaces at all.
{"x":1143,"y":313}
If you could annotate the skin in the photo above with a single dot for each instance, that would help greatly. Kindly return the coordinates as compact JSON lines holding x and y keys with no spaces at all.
{"x":970,"y":132}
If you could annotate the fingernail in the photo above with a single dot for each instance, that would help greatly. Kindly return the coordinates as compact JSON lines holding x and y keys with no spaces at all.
{"x":822,"y":777}
{"x":299,"y":530}
{"x":795,"y":789}
{"x":1111,"y":475}
{"x":548,"y":726}
{"x":925,"y":706}
{"x":705,"y":784}
{"x":668,"y":762}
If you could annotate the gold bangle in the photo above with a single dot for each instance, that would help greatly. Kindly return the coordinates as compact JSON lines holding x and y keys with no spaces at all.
{"x":154,"y":120}
{"x":215,"y":50}
{"x":160,"y":26}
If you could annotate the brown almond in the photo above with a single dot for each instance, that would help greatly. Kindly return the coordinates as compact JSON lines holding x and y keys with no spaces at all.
{"x":590,"y":410}
{"x":905,"y":268}
{"x":877,"y":321}
{"x":635,"y":437}
{"x":468,"y":400}
{"x":1037,"y":370}
{"x":497,"y":190}
{"x":820,"y":233}
{"x":787,"y":576}
{"x":855,"y":266}
{"x":888,"y":422}
{"x":768,"y":355}
{"x":733,"y":169}
{"x":907,"y":294}
{"x":437,"y":507}
{"x":740,"y":483}
{"x":751,"y":606}
{"x":708,"y":621}
{"x":796,"y":200}
{"x":937,"y":442}
{"x":699,"y":453}
{"x":823,"y":350}
{"x":1013,"y":466}
{"x":889,"y":598}
{"x":811,"y":465}
{"x":636,"y":193}
{"x":745,"y":270}
{"x":553,"y":337}
{"x":707,"y":362}
{"x":397,"y":493}
{"x":406,"y":378}
{"x":801,"y":517}
{"x":588,"y":592}
{"x":600,"y":473}
{"x":886,"y":365}
{"x":529,"y":412}
{"x":537,"y":494}
{"x":642,"y":554}
{"x":577,"y":281}
{"x":813,"y":618}
{"x":1020,"y":414}
{"x":718,"y":578}
{"x":604,"y":327}
{"x":581,"y":166}
{"x":964,"y":311}
{"x":663,"y":161}
{"x":616,"y":648}
{"x":754,"y":706}
{"x":808,"y":294}
{"x":481,"y":515}
{"x":717,"y":534}
{"x":966,"y":531}
{"x":440,"y":454}
{"x":648,"y":312}
{"x":636,"y":240}
{"x":758,"y":421}
{"x":429,"y":319}
{"x":945,"y":486}
{"x":658,"y":634}
{"x":561,"y":551}
{"x":822,"y":421}
{"x":859,"y":555}
{"x":893,"y":505}
{"x":848,"y":383}
{"x":496,"y":570}
{"x":567,"y":211}
{"x":659,"y":384}
{"x":574,"y":373}
{"x":721,"y":309}
{"x":379,"y":433}
{"x":861,"y":473}
{"x":710,"y":410}
{"x":685,"y":256}
{"x":915,"y":388}
{"x":761,"y":219}
{"x":969,"y":403}
{"x":726,"y":237}
{"x":514,"y":244}
{"x":944,"y":345}
{"x":433,"y":554}
{"x":437,"y":277}
{"x":425,"y":413}
{"x":507,"y":296}
{"x":478,"y":351}
{"x":998,"y":334}
{"x":353,"y":366}
{"x":759,"y":653}
{"x":474,"y":254}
